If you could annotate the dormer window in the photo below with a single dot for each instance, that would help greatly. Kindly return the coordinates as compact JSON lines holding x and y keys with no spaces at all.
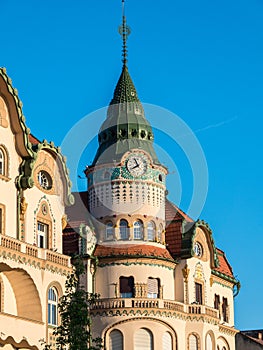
{"x":44,"y":180}
{"x":198,"y":249}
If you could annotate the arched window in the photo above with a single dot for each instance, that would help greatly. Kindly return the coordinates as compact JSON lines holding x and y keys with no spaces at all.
{"x":223,"y":348}
{"x":109,"y":230}
{"x":193,"y":342}
{"x":123,"y":229}
{"x":138,"y":230}
{"x":153,"y":287}
{"x":52,"y":307}
{"x":116,"y":340}
{"x":2,"y":162}
{"x":126,"y":287}
{"x":143,"y":340}
{"x":167,"y":341}
{"x":209,"y":342}
{"x":151,"y":231}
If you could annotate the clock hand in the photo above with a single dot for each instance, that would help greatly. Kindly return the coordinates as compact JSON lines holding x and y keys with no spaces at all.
{"x":136,"y":166}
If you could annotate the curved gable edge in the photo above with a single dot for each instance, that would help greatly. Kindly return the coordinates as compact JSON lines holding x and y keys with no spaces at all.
{"x":17,"y":119}
{"x":56,"y":152}
{"x":189,"y":233}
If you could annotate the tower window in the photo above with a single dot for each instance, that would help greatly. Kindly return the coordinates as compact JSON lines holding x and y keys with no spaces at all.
{"x":126,"y":287}
{"x":109,"y":230}
{"x":123,"y":229}
{"x":225,"y":310}
{"x":217,"y":302}
{"x":151,"y":231}
{"x":143,"y":339}
{"x":198,"y":293}
{"x":116,"y":340}
{"x":193,"y":342}
{"x":138,"y":230}
{"x":167,"y":341}
{"x":153,"y":287}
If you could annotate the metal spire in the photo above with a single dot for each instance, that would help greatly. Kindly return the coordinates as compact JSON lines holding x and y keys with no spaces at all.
{"x":124,"y":31}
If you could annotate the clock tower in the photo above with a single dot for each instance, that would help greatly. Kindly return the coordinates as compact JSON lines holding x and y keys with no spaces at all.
{"x":126,"y":182}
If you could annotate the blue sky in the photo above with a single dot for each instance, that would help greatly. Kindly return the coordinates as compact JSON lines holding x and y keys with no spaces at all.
{"x":202,"y":60}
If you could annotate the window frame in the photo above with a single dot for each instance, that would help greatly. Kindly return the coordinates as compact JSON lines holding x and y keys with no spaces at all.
{"x":43,"y":234}
{"x":109,"y":228}
{"x":123,"y":228}
{"x":151,"y":230}
{"x":225,"y":308}
{"x":4,"y":161}
{"x":129,"y":284}
{"x":199,"y":293}
{"x":52,"y":307}
{"x":153,"y":295}
{"x":138,"y":230}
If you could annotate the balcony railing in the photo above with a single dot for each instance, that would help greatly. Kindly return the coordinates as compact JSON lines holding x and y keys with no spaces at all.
{"x":15,"y":245}
{"x":147,"y":303}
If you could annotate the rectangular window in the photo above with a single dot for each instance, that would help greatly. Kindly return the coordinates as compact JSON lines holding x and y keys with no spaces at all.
{"x":42,"y":234}
{"x":225,"y":310}
{"x":153,"y":287}
{"x":126,"y":287}
{"x":198,"y":293}
{"x":217,"y":302}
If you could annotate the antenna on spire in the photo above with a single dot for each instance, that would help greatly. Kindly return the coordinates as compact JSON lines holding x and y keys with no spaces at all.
{"x":124,"y":31}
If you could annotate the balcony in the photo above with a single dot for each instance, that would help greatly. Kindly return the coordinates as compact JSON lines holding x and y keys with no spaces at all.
{"x":13,"y":245}
{"x":160,"y":304}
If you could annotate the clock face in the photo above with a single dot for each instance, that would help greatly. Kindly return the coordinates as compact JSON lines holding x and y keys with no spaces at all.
{"x":137,"y":165}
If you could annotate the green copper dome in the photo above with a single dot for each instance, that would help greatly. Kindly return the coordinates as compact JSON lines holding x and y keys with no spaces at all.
{"x":125,"y":127}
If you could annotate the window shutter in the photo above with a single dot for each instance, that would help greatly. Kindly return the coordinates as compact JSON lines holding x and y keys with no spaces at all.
{"x":193,"y":342}
{"x":143,"y":340}
{"x":153,"y":285}
{"x":209,"y":345}
{"x":116,"y":340}
{"x":167,"y":341}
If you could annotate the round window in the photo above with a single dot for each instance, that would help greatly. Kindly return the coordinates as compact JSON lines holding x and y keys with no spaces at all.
{"x":44,"y":180}
{"x":198,"y":249}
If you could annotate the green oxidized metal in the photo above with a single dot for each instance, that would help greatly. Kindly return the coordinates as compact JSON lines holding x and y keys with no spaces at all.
{"x":125,"y":127}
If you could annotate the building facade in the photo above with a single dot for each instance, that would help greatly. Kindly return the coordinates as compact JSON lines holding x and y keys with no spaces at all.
{"x":34,"y":190}
{"x":163,"y":284}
